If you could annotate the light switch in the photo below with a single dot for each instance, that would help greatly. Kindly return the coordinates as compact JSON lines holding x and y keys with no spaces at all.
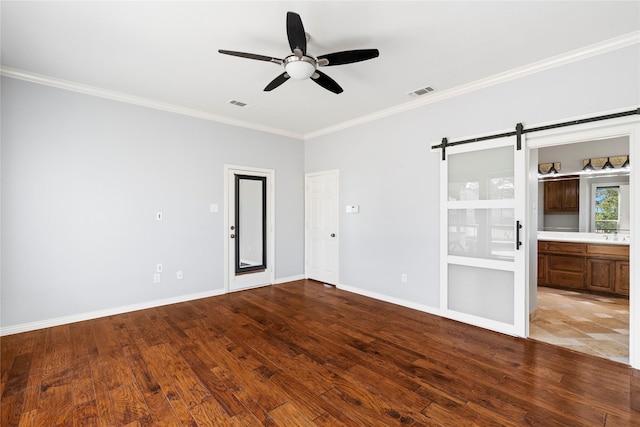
{"x":213,"y":207}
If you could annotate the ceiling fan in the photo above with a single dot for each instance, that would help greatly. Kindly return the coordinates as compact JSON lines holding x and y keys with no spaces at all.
{"x":301,"y":66}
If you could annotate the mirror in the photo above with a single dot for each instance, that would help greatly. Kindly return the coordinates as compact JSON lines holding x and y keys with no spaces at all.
{"x":582,"y":215}
{"x":251,"y":223}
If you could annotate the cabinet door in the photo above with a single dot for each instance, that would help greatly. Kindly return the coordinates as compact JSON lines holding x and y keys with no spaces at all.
{"x":622,"y":278}
{"x":600,"y":275}
{"x":570,"y":195}
{"x":565,"y":271}
{"x":542,"y":270}
{"x":553,"y":196}
{"x":562,"y":196}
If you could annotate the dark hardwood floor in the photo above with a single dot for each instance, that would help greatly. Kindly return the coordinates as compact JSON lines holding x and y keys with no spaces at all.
{"x":302,"y":353}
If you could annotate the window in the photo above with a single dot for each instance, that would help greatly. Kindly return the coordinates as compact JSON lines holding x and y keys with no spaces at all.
{"x":607,"y":208}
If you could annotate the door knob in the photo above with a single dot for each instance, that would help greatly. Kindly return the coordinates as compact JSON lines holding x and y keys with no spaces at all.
{"x":333,"y":234}
{"x":233,"y":227}
{"x":232,"y":236}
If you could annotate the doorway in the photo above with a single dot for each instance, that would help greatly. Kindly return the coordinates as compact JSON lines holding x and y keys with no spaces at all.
{"x":249,"y":213}
{"x":321,"y":229}
{"x":571,"y":139}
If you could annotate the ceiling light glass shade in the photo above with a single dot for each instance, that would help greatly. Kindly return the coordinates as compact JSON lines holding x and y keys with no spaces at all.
{"x":300,"y":68}
{"x":607,"y":164}
{"x":553,"y":168}
{"x":588,"y":167}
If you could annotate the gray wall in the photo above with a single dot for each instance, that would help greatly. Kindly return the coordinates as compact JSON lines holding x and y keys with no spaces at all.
{"x":83,"y":177}
{"x":387,"y":168}
{"x":82,"y":180}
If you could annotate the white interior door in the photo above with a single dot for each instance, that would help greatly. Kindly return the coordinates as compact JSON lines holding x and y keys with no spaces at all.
{"x":249,"y":226}
{"x":483,"y":250}
{"x":321,"y":233}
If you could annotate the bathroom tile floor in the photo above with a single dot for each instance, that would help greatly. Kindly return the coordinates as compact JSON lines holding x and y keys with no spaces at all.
{"x":588,"y":323}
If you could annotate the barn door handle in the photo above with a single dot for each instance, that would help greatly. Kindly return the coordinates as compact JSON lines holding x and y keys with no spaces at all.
{"x":518,"y":242}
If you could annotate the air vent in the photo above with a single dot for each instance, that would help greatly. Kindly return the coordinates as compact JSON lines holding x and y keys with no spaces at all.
{"x":238,"y":103}
{"x":421,"y":91}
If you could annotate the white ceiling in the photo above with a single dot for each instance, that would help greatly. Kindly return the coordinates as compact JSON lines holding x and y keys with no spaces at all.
{"x":166,"y":52}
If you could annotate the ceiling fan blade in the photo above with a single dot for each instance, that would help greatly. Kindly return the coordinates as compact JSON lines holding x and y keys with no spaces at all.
{"x":295,"y":33}
{"x":326,"y":82}
{"x":277,"y":82}
{"x":251,"y":56}
{"x":347,"y":57}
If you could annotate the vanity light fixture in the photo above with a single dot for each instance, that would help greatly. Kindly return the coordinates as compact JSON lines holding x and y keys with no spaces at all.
{"x":549,"y":168}
{"x":607,"y":165}
{"x":588,"y":167}
{"x":626,"y":163}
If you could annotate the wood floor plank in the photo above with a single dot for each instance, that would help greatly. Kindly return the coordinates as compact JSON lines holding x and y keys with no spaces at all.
{"x":86,"y":414}
{"x":179,"y":407}
{"x":162,"y":411}
{"x":287,"y":414}
{"x":302,"y":353}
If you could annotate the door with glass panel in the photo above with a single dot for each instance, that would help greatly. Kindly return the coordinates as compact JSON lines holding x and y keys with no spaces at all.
{"x":483,"y":197}
{"x":249,"y":220}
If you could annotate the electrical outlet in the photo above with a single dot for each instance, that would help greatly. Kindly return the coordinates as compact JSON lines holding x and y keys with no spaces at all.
{"x":156,"y":278}
{"x":179,"y":275}
{"x":403,"y":278}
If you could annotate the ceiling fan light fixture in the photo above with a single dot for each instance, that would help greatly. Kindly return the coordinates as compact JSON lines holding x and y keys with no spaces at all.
{"x":299,"y":68}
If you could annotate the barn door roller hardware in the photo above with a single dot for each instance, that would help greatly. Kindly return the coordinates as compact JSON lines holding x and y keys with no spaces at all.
{"x":520,"y":130}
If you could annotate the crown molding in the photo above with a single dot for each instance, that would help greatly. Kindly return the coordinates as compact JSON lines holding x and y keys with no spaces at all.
{"x":137,"y":100}
{"x":516,"y":73}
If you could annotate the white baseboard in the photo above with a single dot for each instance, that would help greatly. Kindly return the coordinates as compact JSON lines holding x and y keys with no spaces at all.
{"x":48,"y":323}
{"x":289,"y":279}
{"x":392,"y":300}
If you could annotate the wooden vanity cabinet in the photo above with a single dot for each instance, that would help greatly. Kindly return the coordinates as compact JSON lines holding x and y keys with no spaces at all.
{"x":621,"y":286}
{"x":564,"y":263}
{"x":562,"y":196}
{"x":601,"y":275}
{"x":542,"y":269}
{"x":584,"y":266}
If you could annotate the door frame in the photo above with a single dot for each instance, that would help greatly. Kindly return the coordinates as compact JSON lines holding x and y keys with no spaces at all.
{"x":620,"y":127}
{"x":271,"y":211}
{"x":307,"y":240}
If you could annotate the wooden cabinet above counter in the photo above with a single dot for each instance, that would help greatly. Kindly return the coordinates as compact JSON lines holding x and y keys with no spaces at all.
{"x":584,"y":266}
{"x":562,"y":195}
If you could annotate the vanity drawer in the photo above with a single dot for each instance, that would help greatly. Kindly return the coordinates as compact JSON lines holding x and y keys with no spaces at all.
{"x":566,"y":263}
{"x":608,"y":250}
{"x":561,"y":247}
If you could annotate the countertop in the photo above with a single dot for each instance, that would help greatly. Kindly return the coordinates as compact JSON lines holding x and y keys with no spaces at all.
{"x":599,"y":238}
